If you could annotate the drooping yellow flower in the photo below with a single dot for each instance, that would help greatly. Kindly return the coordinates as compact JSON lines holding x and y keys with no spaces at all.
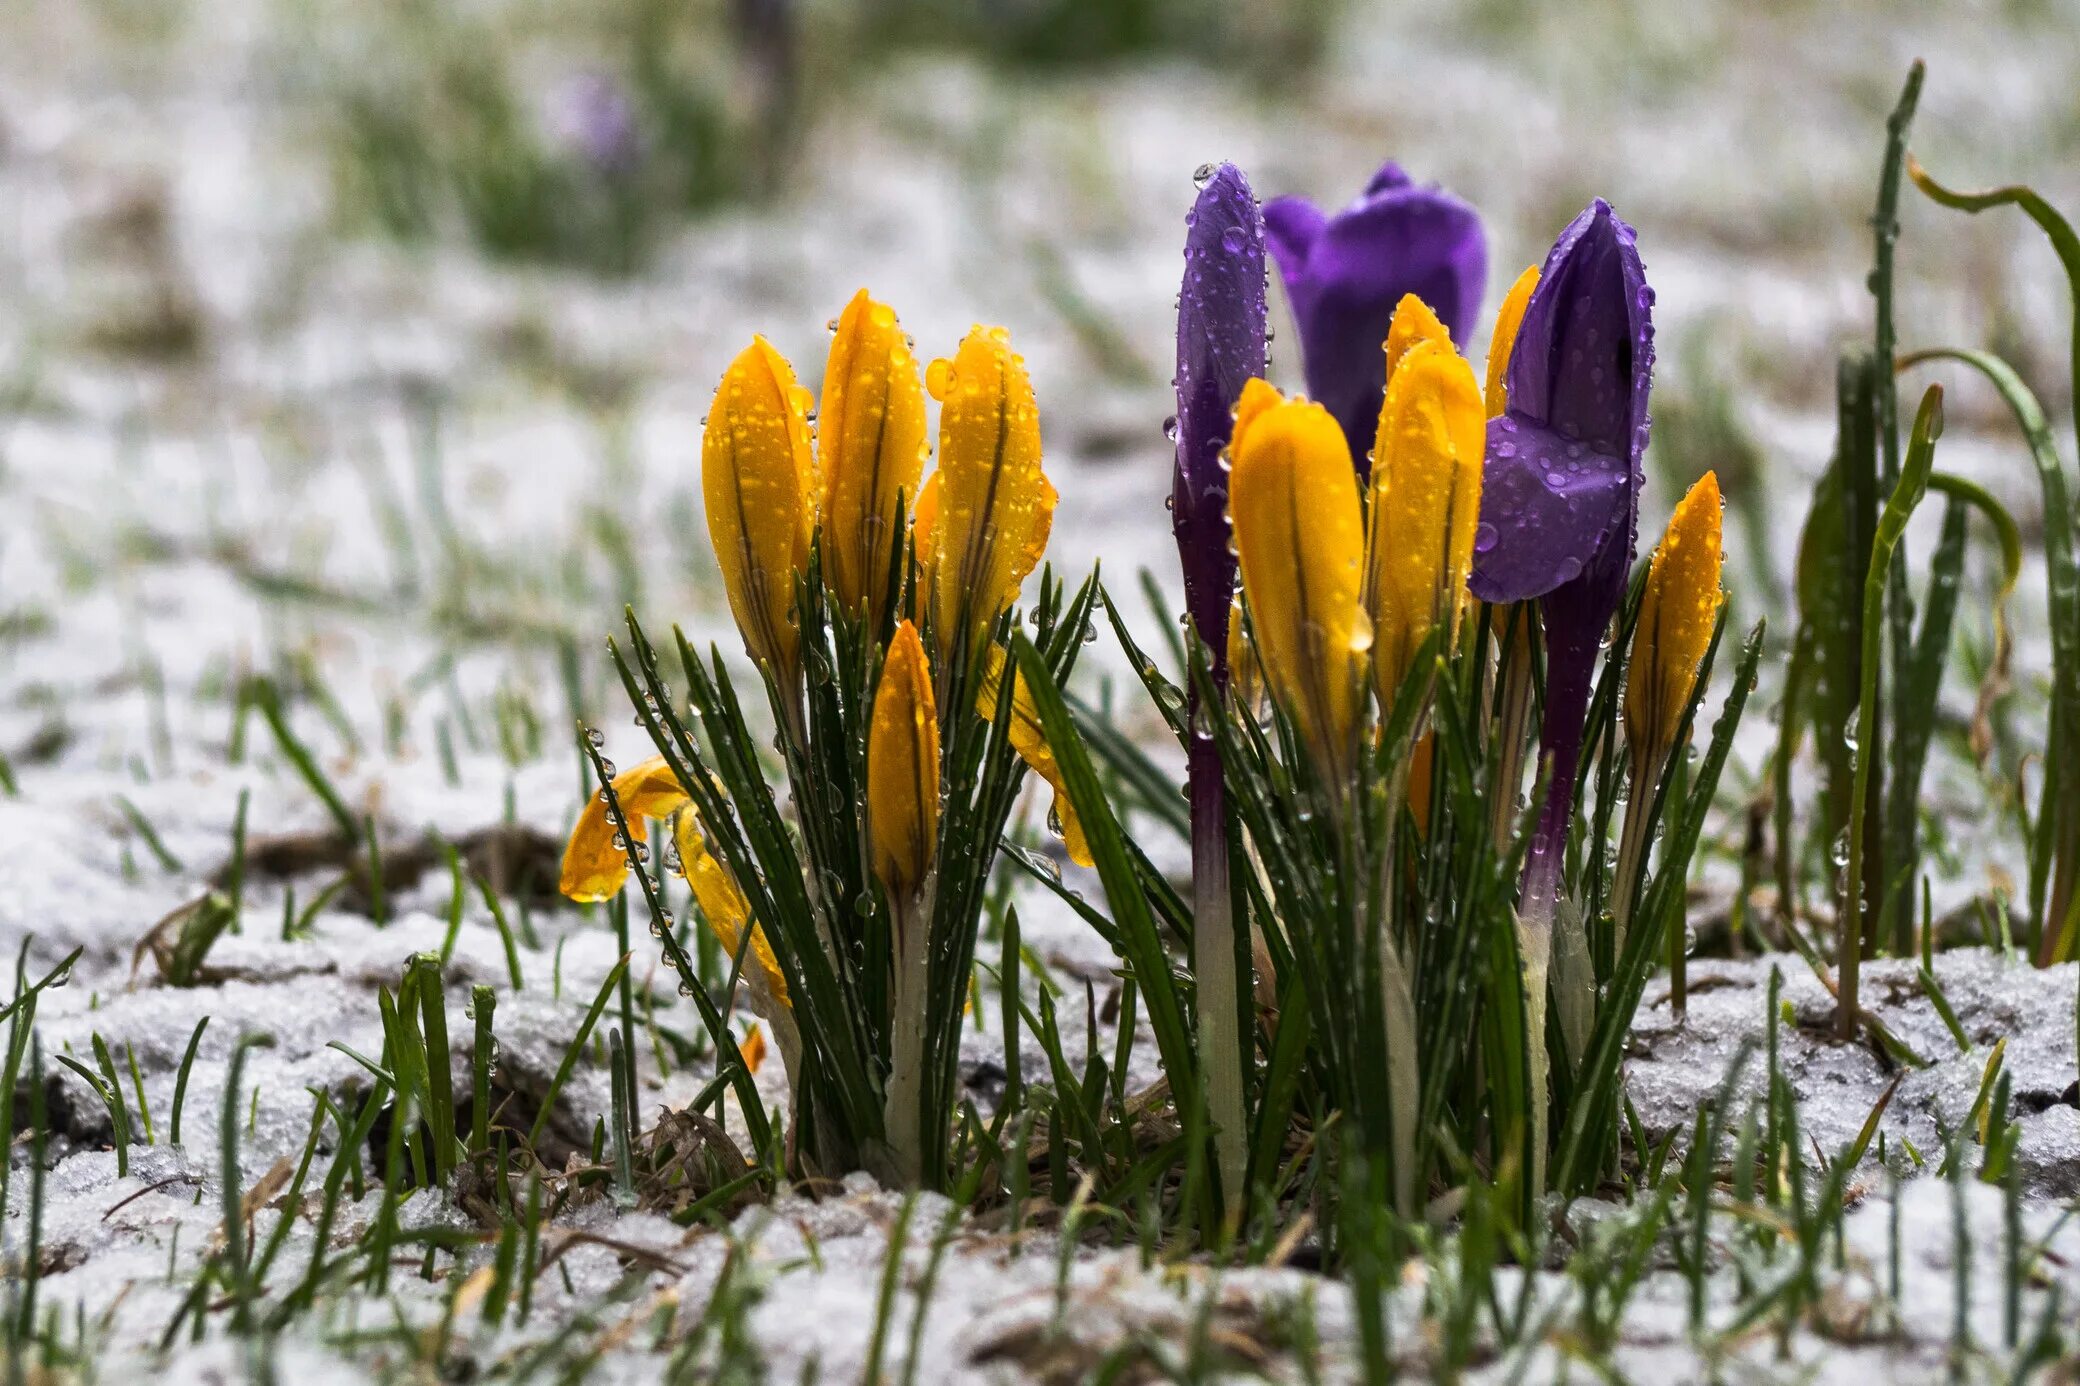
{"x":993,"y":506}
{"x":903,"y":767}
{"x":871,"y":445}
{"x":1413,"y":323}
{"x":1426,"y":500}
{"x":724,"y":905}
{"x":1508,"y":318}
{"x":1677,"y":612}
{"x":1293,"y":500}
{"x":758,"y":478}
{"x":595,"y":866}
{"x":1031,"y":744}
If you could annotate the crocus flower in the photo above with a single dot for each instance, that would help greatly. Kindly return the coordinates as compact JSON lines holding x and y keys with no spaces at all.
{"x":758,"y":478}
{"x":871,"y":447}
{"x":1503,"y":340}
{"x":1220,"y":348}
{"x":1559,"y":518}
{"x":990,"y":505}
{"x":902,"y":834}
{"x":1560,"y":499}
{"x":1426,"y":486}
{"x":903,"y":767}
{"x":1678,"y":609}
{"x":595,"y":867}
{"x":1677,"y":612}
{"x":1293,"y":499}
{"x":1031,"y":744}
{"x":1345,"y":273}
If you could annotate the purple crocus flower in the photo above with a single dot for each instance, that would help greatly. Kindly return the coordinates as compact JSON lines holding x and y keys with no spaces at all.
{"x":1345,"y":273}
{"x":1560,"y":488}
{"x":1220,"y":346}
{"x":597,"y":122}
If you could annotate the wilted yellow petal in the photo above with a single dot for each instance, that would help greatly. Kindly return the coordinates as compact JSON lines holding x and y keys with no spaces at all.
{"x":1293,"y":499}
{"x":994,"y":506}
{"x":1031,"y":744}
{"x":1413,"y":323}
{"x":758,"y":478}
{"x":753,"y":1050}
{"x":723,"y":905}
{"x":903,"y":766}
{"x":870,"y":443}
{"x":1677,"y":612}
{"x":1508,"y":318}
{"x":1426,"y":501}
{"x":594,"y":867}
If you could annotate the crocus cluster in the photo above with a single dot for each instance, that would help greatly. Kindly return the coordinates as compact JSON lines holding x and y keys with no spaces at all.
{"x":792,"y":498}
{"x":1523,"y":489}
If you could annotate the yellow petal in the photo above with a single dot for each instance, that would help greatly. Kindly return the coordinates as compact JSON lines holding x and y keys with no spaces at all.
{"x":1413,"y":323}
{"x":994,"y":506}
{"x":593,"y":866}
{"x":1426,"y":500}
{"x":723,"y":905}
{"x":753,"y":1049}
{"x":903,"y":766}
{"x":871,"y":444}
{"x":1293,"y":499}
{"x":758,"y":478}
{"x":1508,"y":318}
{"x":1031,"y":744}
{"x":924,"y":533}
{"x":1677,"y":612}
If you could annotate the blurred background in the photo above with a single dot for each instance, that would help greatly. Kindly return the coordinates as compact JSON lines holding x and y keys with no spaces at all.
{"x":365,"y":346}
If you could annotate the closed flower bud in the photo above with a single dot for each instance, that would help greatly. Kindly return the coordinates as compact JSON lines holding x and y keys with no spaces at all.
{"x":1508,"y":319}
{"x":1426,"y":488}
{"x":903,"y":767}
{"x":1293,"y":499}
{"x":758,"y":479}
{"x":992,"y":507}
{"x":871,"y":446}
{"x":1677,"y":612}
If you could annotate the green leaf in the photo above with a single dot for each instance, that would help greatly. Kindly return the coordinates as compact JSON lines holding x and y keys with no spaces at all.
{"x":2060,"y":814}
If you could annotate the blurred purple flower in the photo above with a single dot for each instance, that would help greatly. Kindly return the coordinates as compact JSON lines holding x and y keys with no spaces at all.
{"x":1345,"y":273}
{"x":1220,"y":345}
{"x":594,"y":119}
{"x":1560,"y":488}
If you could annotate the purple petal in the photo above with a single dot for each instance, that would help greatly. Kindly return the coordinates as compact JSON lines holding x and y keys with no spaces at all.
{"x":1220,"y":346}
{"x":1548,"y":507}
{"x":1344,"y":275}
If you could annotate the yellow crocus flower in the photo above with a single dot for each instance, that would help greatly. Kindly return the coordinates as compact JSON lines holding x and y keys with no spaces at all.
{"x":595,"y":867}
{"x":1426,"y":500}
{"x":871,"y":446}
{"x":758,"y":479}
{"x":1293,"y":501}
{"x":1031,"y":744}
{"x":1508,"y":318}
{"x":991,"y":507}
{"x":1677,"y":612}
{"x":1413,"y":324}
{"x":903,"y":768}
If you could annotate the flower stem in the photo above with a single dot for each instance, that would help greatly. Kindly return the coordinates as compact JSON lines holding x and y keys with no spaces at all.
{"x":1215,"y":973}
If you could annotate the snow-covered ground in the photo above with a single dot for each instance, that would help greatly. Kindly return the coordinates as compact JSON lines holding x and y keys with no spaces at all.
{"x":416,"y":489}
